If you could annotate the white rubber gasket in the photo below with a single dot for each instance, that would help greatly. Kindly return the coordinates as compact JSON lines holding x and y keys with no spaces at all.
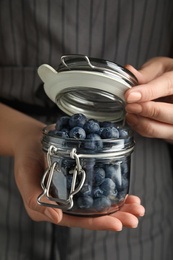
{"x":78,"y":79}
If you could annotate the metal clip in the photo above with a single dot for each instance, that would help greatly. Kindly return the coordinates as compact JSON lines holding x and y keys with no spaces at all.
{"x":121,"y":74}
{"x":62,"y":204}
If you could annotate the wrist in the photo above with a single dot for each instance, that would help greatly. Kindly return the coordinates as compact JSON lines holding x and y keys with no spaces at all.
{"x":17,"y":128}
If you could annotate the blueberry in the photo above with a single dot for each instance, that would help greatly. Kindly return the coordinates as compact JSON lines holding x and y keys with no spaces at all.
{"x":77,"y":133}
{"x":107,"y":186}
{"x":65,"y":130}
{"x":69,"y":179}
{"x":110,"y":171}
{"x":113,"y":195}
{"x":114,"y":173}
{"x":88,"y":166}
{"x":102,"y":203}
{"x":121,"y":196}
{"x":68,"y":163}
{"x":52,"y":132}
{"x":92,"y":126}
{"x":123,"y":132}
{"x":97,"y":192}
{"x":77,"y":120}
{"x":124,"y":185}
{"x":94,"y":142}
{"x":63,"y":122}
{"x":100,"y":131}
{"x":61,"y":134}
{"x":85,"y":202}
{"x":125,"y":168}
{"x":106,"y":124}
{"x":86,"y":190}
{"x":99,"y":176}
{"x":110,"y":132}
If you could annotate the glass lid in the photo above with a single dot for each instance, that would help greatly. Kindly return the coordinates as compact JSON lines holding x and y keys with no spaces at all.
{"x":90,"y":86}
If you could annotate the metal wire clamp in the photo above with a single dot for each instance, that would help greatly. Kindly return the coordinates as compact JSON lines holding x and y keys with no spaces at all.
{"x":48,"y":175}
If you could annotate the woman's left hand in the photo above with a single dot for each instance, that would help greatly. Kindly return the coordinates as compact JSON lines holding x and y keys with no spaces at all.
{"x":150,"y":104}
{"x":127,"y":216}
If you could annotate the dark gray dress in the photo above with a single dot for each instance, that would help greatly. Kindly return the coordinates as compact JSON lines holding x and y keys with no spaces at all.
{"x":40,"y":31}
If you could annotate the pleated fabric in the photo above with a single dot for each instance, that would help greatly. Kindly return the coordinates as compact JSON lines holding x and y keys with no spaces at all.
{"x":36,"y":32}
{"x":126,"y":32}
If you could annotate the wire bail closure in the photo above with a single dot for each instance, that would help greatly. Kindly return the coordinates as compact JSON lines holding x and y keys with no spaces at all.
{"x":53,"y":166}
{"x":62,"y":204}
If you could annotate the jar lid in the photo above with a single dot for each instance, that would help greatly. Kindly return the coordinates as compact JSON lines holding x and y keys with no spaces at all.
{"x":94,"y":87}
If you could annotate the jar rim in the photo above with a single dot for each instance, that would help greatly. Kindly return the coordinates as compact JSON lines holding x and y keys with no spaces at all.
{"x":83,"y":62}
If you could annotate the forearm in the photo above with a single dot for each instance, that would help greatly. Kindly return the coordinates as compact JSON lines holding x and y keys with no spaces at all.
{"x":14,"y":126}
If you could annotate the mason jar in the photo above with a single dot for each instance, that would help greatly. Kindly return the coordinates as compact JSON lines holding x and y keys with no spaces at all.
{"x":87,"y":177}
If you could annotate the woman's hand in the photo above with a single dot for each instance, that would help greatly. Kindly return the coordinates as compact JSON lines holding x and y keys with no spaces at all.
{"x":127,"y":216}
{"x":150,"y":104}
{"x":29,"y":168}
{"x":22,"y":139}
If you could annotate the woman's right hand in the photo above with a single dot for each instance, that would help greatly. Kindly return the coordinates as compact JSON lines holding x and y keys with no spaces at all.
{"x":150,"y":104}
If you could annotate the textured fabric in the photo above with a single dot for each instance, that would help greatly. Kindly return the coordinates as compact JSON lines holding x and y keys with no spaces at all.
{"x":40,"y":31}
{"x":35,"y":32}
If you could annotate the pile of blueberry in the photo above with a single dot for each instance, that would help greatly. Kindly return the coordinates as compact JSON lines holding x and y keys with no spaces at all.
{"x":78,"y":127}
{"x":105,"y":187}
{"x":107,"y":181}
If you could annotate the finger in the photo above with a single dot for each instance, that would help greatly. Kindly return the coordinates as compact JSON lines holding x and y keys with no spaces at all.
{"x":155,"y":67}
{"x":159,"y":111}
{"x":107,"y":222}
{"x":135,"y":72}
{"x":132,"y":199}
{"x":150,"y":128}
{"x":152,"y":69}
{"x":44,"y":214}
{"x":159,"y":87}
{"x":134,"y":209}
{"x":127,"y":219}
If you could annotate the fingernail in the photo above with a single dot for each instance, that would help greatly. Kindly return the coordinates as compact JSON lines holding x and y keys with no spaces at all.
{"x":142,"y":213}
{"x":132,"y":119}
{"x":133,"y":97}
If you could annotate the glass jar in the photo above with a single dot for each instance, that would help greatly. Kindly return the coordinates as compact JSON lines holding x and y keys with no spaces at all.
{"x":86,"y":177}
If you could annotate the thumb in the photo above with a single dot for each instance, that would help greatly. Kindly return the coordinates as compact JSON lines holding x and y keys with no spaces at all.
{"x":151,"y":69}
{"x":42,"y":213}
{"x":28,"y":175}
